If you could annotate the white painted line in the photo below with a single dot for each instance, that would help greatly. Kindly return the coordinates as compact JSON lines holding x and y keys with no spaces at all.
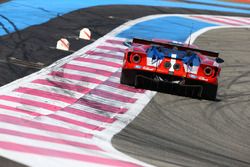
{"x":93,"y":65}
{"x":107,"y":101}
{"x":39,"y":99}
{"x":81,"y":119}
{"x":56,"y":90}
{"x":106,"y":59}
{"x":121,"y":46}
{"x":46,"y":133}
{"x":32,"y":109}
{"x":104,"y":51}
{"x":63,"y":125}
{"x":201,"y":31}
{"x":49,"y":145}
{"x":93,"y":110}
{"x":81,"y":73}
{"x":116,"y":90}
{"x":69,"y":81}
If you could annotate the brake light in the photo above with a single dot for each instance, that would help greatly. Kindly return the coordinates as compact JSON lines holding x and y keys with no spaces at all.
{"x":136,"y":58}
{"x":208,"y":71}
{"x":167,"y":64}
{"x":177,"y":66}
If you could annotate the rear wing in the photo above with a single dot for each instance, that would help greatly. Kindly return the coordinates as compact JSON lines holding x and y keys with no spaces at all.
{"x":171,"y":46}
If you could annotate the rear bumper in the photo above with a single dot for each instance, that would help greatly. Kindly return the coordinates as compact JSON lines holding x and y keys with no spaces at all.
{"x":196,"y":78}
{"x":191,"y":79}
{"x":180,"y":88}
{"x":166,"y":83}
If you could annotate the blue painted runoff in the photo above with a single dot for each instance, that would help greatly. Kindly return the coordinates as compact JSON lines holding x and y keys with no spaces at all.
{"x":25,"y":13}
{"x":170,"y":27}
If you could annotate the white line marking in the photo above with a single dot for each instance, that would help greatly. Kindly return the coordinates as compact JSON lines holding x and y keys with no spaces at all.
{"x":101,"y":139}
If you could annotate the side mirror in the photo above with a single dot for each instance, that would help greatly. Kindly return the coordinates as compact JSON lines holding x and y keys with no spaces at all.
{"x":219,"y":60}
{"x":127,"y":43}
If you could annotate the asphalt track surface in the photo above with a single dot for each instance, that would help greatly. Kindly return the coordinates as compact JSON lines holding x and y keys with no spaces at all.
{"x":183,"y":131}
{"x":190,"y":132}
{"x":33,"y":45}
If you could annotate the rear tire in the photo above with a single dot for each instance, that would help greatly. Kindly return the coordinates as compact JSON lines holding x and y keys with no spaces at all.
{"x":209,"y":91}
{"x":128,"y":77}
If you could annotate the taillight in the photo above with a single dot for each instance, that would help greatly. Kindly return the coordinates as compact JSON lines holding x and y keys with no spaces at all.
{"x":167,"y":64}
{"x":208,"y":71}
{"x":176,"y":66}
{"x":136,"y":58}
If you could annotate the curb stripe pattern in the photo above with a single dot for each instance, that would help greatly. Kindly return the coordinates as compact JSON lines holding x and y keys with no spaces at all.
{"x":223,"y":20}
{"x":66,"y":113}
{"x":71,"y":106}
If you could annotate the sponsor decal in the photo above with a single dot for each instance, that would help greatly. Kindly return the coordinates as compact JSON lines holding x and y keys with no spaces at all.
{"x":192,"y":76}
{"x":177,"y":42}
{"x":202,"y":78}
{"x":137,"y":66}
{"x":147,"y":68}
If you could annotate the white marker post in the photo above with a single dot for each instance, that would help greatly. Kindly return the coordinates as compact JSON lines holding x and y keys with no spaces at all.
{"x":63,"y":44}
{"x":85,"y":33}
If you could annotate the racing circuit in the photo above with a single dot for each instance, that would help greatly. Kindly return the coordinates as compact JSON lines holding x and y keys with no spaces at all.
{"x":75,"y":113}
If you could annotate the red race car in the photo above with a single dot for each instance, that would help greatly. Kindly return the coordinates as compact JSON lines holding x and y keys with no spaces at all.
{"x":170,"y":65}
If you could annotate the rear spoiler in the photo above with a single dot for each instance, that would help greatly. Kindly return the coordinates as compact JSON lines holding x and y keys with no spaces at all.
{"x":167,"y":45}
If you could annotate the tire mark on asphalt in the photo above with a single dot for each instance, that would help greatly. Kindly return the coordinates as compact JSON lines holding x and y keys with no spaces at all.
{"x":192,"y":132}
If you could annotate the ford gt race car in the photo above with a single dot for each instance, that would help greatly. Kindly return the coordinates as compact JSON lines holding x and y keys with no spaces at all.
{"x":172,"y":66}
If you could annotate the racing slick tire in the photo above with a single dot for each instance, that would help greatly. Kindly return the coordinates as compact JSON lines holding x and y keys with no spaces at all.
{"x":128,"y":77}
{"x":209,"y":91}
